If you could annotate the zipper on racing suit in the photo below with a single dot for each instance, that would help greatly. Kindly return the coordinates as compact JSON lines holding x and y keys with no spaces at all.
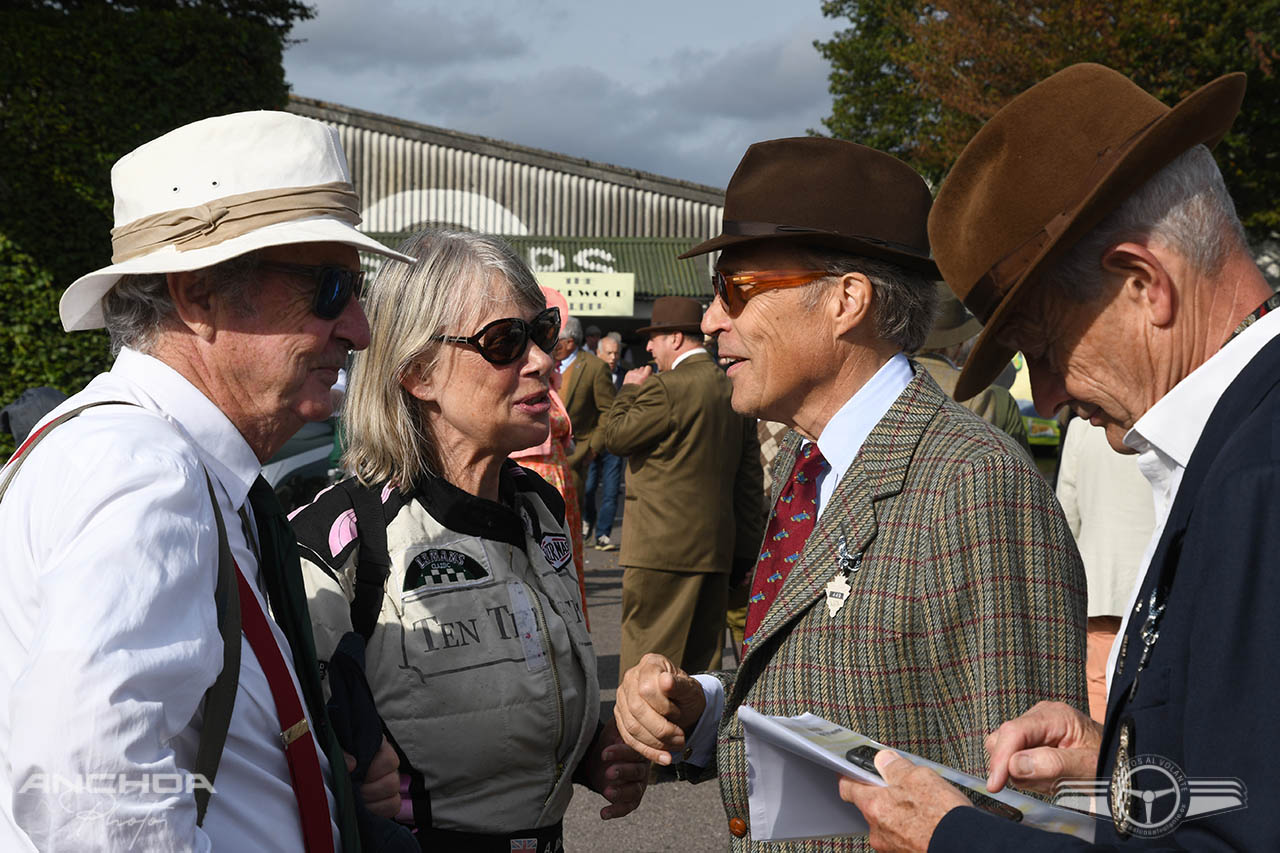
{"x":555,"y":682}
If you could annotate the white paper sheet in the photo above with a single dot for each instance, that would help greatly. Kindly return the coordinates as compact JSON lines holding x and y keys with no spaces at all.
{"x":794,"y":765}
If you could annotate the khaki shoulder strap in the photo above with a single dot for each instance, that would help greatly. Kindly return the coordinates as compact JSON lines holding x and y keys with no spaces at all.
{"x":220,"y":698}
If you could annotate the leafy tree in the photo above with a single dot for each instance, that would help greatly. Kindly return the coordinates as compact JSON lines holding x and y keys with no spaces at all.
{"x":83,"y":82}
{"x":918,"y":79}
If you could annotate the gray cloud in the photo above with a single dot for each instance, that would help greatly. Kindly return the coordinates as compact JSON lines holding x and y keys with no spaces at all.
{"x":692,"y":115}
{"x":350,"y":35}
{"x":758,"y":81}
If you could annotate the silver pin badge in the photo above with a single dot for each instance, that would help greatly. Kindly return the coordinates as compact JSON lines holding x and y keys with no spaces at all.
{"x":838,"y":587}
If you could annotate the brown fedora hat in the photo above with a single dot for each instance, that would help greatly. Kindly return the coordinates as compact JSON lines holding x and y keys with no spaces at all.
{"x":953,"y":325}
{"x":674,"y":314}
{"x":1044,"y":171}
{"x":827,"y":192}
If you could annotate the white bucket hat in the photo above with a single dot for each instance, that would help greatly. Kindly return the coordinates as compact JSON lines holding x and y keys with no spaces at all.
{"x":217,"y":189}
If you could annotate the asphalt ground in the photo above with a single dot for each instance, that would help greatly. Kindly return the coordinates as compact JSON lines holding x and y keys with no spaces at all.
{"x":674,"y":816}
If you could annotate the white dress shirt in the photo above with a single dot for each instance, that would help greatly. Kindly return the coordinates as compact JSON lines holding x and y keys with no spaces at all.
{"x":1167,"y":435}
{"x":109,"y":634}
{"x":839,"y":443}
{"x":685,"y":355}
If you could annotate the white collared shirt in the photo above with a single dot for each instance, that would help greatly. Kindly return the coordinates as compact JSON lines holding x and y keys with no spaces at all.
{"x":568,"y":360}
{"x":685,"y":355}
{"x":1167,"y":435}
{"x":849,"y":427}
{"x":839,"y":444}
{"x":109,"y":634}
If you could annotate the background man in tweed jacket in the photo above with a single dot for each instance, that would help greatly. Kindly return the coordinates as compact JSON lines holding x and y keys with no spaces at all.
{"x":694,"y":499}
{"x":967,"y":596}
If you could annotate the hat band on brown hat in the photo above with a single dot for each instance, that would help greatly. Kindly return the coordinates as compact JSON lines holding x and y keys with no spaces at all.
{"x":990,"y":288}
{"x":233,"y":216}
{"x":742,"y":228}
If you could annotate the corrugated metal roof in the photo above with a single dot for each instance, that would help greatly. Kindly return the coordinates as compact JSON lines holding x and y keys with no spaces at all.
{"x":410,"y":175}
{"x":653,"y":260}
{"x":510,"y":151}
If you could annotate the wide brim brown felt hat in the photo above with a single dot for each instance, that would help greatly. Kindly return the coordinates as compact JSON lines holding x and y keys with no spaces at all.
{"x":674,"y":314}
{"x":831,"y":193}
{"x":953,"y":324}
{"x":1046,"y":169}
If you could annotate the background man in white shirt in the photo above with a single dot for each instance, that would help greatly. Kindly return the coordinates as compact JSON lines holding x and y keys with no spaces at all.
{"x":1089,"y":226}
{"x":232,"y":302}
{"x":936,"y":586}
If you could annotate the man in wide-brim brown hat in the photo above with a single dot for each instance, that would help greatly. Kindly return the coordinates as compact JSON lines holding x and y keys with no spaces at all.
{"x":694,"y":505}
{"x":917,"y":579}
{"x":1089,"y":226}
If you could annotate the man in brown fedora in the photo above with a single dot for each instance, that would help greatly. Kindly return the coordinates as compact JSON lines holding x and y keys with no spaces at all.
{"x":944,"y":353}
{"x":693,"y":507}
{"x":918,"y":581}
{"x":1089,"y":226}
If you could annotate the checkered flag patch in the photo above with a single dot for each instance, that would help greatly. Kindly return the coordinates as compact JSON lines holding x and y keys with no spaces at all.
{"x":442,"y":567}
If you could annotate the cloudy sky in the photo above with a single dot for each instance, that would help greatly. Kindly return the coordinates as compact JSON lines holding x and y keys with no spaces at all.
{"x":676,"y":88}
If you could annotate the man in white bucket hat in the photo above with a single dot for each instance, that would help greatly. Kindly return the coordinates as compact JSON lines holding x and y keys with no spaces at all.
{"x":137,"y":533}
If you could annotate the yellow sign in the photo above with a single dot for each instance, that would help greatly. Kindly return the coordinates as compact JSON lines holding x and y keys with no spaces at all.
{"x":594,"y":294}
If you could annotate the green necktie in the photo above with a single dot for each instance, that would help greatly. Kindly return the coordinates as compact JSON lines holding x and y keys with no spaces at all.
{"x":282,"y":576}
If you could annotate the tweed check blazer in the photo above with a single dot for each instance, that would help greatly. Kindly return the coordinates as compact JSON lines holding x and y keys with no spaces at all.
{"x":967,"y":608}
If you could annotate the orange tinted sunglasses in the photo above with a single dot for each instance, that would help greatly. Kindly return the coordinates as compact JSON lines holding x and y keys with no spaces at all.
{"x":736,"y":288}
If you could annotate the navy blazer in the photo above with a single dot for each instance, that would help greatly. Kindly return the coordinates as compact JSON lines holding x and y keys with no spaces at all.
{"x":1207,"y":699}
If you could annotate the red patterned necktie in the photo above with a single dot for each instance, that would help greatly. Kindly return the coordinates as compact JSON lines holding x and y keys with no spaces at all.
{"x":790,"y":524}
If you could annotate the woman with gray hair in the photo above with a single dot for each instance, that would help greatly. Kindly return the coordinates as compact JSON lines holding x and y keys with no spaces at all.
{"x":454,"y":562}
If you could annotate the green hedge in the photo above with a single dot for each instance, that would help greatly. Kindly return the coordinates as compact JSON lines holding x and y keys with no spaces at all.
{"x":80,"y":90}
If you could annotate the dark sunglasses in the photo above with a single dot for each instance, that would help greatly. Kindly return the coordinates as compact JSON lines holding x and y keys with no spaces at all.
{"x":504,"y":341}
{"x":736,"y":288}
{"x":335,"y":286}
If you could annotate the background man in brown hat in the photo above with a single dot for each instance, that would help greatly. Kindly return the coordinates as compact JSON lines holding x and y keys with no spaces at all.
{"x":693,"y":502}
{"x":1088,"y":224}
{"x":944,"y":353}
{"x":917,"y":581}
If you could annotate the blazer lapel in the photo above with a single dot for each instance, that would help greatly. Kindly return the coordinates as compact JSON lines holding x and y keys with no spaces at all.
{"x":571,"y":380}
{"x":878,"y":471}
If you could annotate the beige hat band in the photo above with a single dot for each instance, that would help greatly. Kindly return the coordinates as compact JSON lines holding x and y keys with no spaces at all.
{"x":233,"y":216}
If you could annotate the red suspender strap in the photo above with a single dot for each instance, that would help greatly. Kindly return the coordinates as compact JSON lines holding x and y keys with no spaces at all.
{"x":295,"y":733}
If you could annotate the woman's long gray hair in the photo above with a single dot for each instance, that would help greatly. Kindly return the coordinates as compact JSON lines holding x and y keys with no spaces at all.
{"x":458,"y":278}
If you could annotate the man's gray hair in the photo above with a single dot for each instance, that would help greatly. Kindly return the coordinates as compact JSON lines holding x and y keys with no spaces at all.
{"x":139,"y":307}
{"x":572,"y":329}
{"x":903,"y":302}
{"x":457,"y":281}
{"x":1185,"y":207}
